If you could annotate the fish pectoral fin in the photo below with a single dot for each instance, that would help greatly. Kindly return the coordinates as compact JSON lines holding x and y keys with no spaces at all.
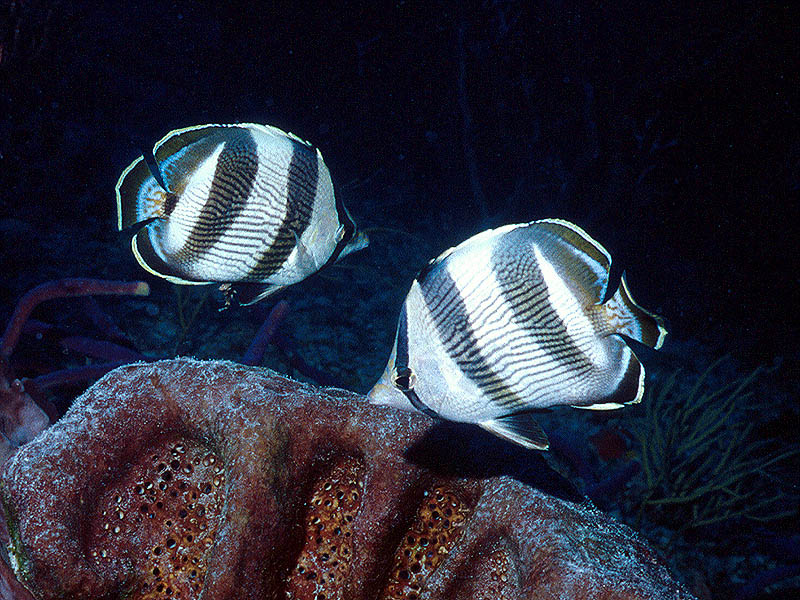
{"x":519,"y":428}
{"x":305,"y":256}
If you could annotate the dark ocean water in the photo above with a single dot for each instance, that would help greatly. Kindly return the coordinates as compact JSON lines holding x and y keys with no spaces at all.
{"x":671,"y":133}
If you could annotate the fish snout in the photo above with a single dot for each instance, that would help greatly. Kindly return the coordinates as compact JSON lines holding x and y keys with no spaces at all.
{"x":380,"y":393}
{"x":386,"y":394}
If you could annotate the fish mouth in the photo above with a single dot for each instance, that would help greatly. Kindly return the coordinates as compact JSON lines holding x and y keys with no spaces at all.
{"x":379,"y":394}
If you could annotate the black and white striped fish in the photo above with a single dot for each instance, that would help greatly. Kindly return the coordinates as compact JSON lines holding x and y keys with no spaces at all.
{"x":228,"y":204}
{"x":513,"y":320}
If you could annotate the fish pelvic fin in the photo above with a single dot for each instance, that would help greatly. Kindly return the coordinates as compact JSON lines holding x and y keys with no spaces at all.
{"x":600,"y":406}
{"x":628,"y":319}
{"x":519,"y":428}
{"x":247,"y":295}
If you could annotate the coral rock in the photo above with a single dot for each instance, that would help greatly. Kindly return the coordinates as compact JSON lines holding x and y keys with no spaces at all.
{"x":186,"y":478}
{"x":21,"y":419}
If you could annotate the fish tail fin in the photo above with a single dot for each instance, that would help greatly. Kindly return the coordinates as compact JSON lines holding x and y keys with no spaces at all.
{"x":629,"y":319}
{"x":359,"y":241}
{"x":139,"y":196}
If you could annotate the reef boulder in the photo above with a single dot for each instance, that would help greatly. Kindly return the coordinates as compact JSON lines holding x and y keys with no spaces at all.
{"x":181,"y":478}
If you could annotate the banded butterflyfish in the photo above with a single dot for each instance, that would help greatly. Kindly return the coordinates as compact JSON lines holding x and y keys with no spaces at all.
{"x":234,"y":204}
{"x":513,"y":320}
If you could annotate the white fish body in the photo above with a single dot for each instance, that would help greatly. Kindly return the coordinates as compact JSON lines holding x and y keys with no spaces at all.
{"x":510,"y":321}
{"x":242,"y":203}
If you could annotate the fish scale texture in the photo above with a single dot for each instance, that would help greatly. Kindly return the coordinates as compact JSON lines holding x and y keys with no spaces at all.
{"x":189,"y":479}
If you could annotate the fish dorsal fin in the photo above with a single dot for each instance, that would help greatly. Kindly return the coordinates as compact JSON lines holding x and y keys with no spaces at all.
{"x":194,"y":144}
{"x":466,"y":246}
{"x":182,"y":151}
{"x":177,"y":139}
{"x":581,"y":259}
{"x":520,"y":429}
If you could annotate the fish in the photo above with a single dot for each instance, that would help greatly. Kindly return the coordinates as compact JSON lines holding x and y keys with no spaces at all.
{"x":234,"y":204}
{"x":512,"y":321}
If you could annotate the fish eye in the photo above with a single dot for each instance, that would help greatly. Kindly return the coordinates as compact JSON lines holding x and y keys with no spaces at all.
{"x":404,"y":379}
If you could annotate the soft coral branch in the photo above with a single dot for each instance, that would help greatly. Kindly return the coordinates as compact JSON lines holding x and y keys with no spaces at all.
{"x":62,"y":288}
{"x":24,"y":410}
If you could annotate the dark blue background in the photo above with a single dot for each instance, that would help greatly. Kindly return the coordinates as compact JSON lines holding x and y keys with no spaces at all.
{"x":670,"y":132}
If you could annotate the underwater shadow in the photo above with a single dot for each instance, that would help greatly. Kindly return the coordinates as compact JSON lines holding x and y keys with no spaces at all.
{"x":460,"y":450}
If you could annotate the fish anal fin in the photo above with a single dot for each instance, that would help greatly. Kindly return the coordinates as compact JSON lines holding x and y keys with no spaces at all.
{"x":520,"y":428}
{"x":151,"y":262}
{"x":178,"y":140}
{"x":629,"y":386}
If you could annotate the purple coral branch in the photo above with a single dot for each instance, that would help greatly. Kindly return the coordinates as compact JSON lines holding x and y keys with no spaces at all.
{"x":101,"y":349}
{"x":268,"y":334}
{"x":72,"y":376}
{"x":103,"y":322}
{"x":62,"y":288}
{"x":265,"y":334}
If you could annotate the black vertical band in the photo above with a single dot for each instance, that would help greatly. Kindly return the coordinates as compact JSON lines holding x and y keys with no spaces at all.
{"x":402,"y":369}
